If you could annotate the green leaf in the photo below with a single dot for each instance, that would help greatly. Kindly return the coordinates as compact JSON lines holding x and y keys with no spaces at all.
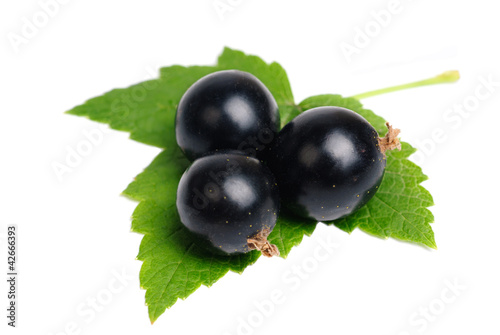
{"x":145,"y":110}
{"x":173,"y":265}
{"x":399,"y":208}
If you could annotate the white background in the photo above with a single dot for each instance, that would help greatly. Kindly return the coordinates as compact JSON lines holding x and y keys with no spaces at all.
{"x":74,"y":234}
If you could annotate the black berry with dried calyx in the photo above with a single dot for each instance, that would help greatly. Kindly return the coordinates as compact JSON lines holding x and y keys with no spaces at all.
{"x":230,"y":201}
{"x":329,"y":162}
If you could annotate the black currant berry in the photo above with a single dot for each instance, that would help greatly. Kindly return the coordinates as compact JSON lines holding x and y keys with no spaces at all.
{"x":329,"y":161}
{"x":226,"y":110}
{"x":231,"y":201}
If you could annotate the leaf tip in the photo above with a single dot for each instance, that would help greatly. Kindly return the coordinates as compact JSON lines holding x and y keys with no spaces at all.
{"x":153,"y":318}
{"x":72,"y":112}
{"x":227,"y":50}
{"x":283,"y":255}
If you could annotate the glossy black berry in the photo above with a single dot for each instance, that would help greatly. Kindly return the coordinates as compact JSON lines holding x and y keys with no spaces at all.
{"x":328,"y":163}
{"x":231,"y":201}
{"x":226,"y":110}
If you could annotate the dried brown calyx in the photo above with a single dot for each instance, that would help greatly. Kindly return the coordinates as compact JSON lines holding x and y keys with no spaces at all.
{"x":260,"y":242}
{"x":390,"y":141}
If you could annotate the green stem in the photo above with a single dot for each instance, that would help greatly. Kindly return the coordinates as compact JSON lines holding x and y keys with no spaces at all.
{"x":445,"y":77}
